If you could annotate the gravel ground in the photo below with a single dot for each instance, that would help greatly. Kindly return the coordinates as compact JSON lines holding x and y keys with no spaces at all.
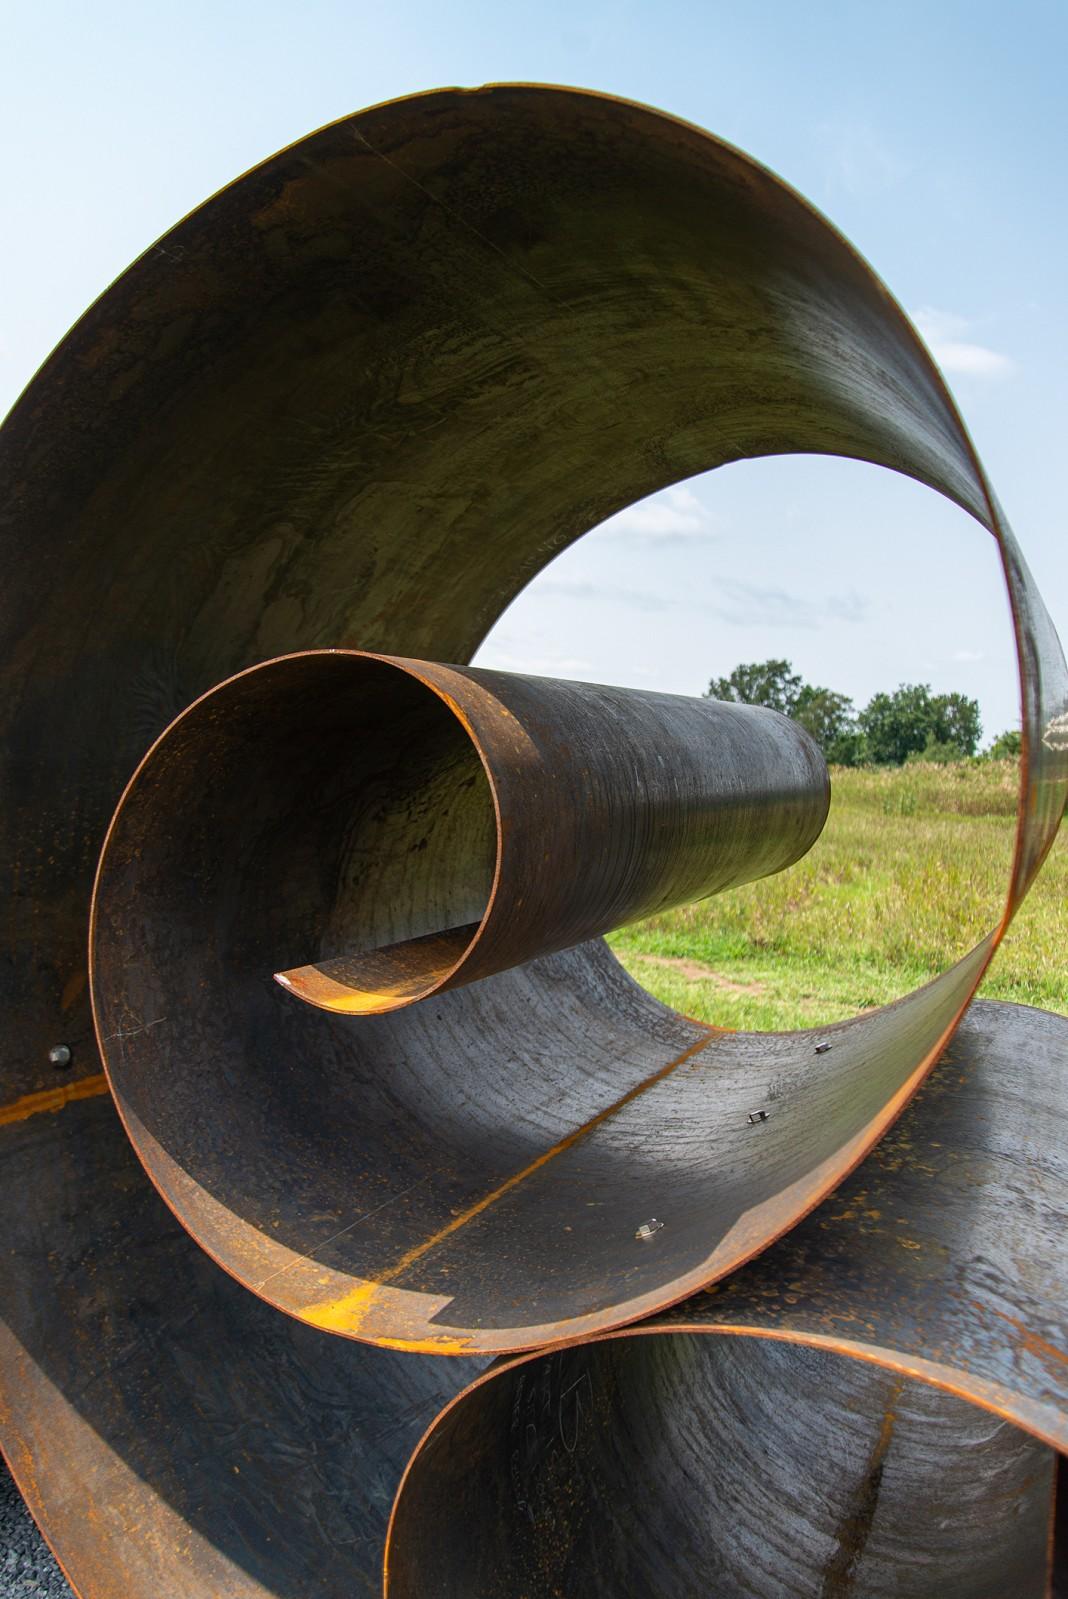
{"x":27,"y":1570}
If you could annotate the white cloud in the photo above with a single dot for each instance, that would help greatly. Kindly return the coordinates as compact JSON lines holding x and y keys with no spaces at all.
{"x":955,"y":354}
{"x":968,"y":655}
{"x":672,"y":514}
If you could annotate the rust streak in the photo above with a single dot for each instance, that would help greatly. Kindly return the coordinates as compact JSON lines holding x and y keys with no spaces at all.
{"x":1030,"y":1341}
{"x":347,"y":1313}
{"x":52,"y":1099}
{"x":855,"y":1527}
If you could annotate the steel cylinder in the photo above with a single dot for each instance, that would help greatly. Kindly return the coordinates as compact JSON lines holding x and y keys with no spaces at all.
{"x":410,"y":827}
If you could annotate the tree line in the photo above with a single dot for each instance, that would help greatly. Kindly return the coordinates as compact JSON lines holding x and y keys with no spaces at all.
{"x":911,"y":724}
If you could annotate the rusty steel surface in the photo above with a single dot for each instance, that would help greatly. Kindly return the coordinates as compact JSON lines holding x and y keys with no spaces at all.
{"x":359,"y":399}
{"x":416,"y":827}
{"x":684,"y":1467}
{"x":732,"y":1447}
{"x":172,"y":1434}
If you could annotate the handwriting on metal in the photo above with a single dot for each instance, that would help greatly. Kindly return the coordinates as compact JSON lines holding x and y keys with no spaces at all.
{"x":551,"y":1411}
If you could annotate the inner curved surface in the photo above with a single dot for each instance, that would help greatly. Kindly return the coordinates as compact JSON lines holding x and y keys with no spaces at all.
{"x":679,"y":1466}
{"x":172,"y":1434}
{"x":946,"y":1253}
{"x":374,"y":810}
{"x":523,"y":1133}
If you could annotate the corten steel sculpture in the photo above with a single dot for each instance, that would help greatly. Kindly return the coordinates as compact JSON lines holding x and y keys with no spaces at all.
{"x":344,"y":956}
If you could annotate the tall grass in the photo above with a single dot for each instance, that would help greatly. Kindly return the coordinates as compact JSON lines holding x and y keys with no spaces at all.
{"x":910,"y":872}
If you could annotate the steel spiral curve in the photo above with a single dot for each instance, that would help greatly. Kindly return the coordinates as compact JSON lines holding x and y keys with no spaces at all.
{"x":311,"y":444}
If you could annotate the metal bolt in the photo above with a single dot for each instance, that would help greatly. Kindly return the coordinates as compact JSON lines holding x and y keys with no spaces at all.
{"x":648,"y":1228}
{"x":59,"y":1055}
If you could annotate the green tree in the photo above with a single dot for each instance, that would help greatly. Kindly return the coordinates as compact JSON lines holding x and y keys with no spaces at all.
{"x":828,"y":716}
{"x":936,"y":753}
{"x":831,"y":720}
{"x":912,"y":720}
{"x":1006,"y":746}
{"x":956,"y":722}
{"x":770,"y":683}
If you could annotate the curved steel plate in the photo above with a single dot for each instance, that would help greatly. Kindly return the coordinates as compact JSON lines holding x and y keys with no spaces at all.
{"x":655,"y":1461}
{"x":172,"y":1434}
{"x":680,"y":1467}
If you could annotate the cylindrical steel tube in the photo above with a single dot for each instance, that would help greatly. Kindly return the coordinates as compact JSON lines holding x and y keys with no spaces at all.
{"x":463,"y":821}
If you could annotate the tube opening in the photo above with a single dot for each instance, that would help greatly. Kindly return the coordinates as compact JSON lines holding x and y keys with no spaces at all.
{"x":415,"y":854}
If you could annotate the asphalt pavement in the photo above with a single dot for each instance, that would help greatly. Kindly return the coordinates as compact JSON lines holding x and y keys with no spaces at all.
{"x":27,"y":1570}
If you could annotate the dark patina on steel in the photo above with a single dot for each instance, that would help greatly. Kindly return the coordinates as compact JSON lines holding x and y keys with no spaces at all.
{"x":360,"y":398}
{"x":418,"y":827}
{"x":729,"y":1447}
{"x":683,"y":1467}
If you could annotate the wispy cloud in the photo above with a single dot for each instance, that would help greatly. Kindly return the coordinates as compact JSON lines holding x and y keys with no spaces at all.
{"x":851,"y":607}
{"x":741,"y":604}
{"x":729,"y":600}
{"x":749,"y":605}
{"x":613,"y":593}
{"x":968,"y":655}
{"x":955,"y":354}
{"x":672,"y":514}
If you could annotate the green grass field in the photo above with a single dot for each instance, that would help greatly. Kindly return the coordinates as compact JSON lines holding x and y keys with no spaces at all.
{"x":909,"y":873}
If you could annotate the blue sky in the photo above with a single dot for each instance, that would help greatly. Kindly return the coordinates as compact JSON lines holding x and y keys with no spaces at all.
{"x":933,"y":135}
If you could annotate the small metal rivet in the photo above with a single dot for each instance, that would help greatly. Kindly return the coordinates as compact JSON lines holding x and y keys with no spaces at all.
{"x":648,"y":1228}
{"x":756,"y":1116}
{"x":821,"y":1049}
{"x":59,"y":1055}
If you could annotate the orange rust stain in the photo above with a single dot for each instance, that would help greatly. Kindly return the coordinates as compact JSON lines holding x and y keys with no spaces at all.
{"x":72,"y":990}
{"x":348,"y":1314}
{"x":316,"y":988}
{"x":1028,"y":1340}
{"x":52,"y":1098}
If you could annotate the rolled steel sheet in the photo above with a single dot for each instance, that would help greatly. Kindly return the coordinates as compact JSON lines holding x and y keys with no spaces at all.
{"x":421,"y":826}
{"x":360,"y":398}
{"x":731,"y":1447}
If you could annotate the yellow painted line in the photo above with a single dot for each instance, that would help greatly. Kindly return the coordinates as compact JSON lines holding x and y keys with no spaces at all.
{"x":52,"y":1098}
{"x":348,"y":1313}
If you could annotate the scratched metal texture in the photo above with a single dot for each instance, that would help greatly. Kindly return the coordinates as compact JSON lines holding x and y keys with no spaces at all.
{"x":409,"y":826}
{"x":172,"y":1434}
{"x":940,"y":1262}
{"x":683,"y":1467}
{"x":361,"y":398}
